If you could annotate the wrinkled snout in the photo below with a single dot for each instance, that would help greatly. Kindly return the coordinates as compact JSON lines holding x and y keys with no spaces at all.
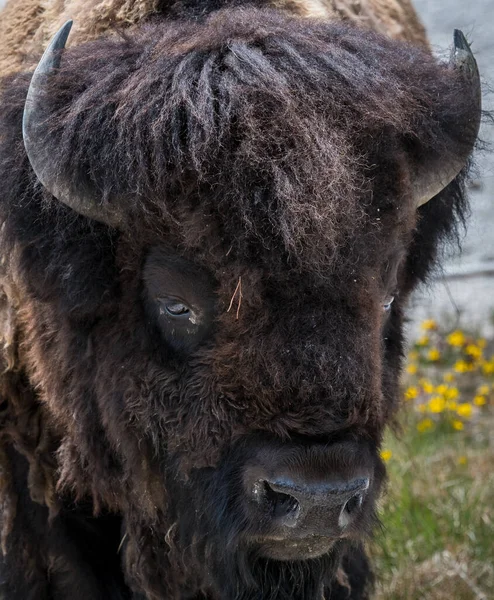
{"x":303,"y":498}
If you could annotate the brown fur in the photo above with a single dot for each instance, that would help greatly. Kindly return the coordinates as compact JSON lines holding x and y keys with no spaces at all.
{"x":26,"y":26}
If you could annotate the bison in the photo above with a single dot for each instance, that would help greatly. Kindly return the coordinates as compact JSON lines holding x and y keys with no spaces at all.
{"x":210,"y":226}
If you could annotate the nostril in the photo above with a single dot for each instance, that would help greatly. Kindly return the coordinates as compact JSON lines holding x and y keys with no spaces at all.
{"x":353,"y":504}
{"x":349,"y":510}
{"x":278,"y":504}
{"x":282,"y":504}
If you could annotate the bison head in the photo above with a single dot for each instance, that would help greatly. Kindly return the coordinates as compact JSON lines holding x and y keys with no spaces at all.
{"x":231,"y":217}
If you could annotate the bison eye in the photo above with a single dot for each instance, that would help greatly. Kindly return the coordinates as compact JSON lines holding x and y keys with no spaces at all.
{"x":387,"y":303}
{"x":175,"y":309}
{"x":179,"y":301}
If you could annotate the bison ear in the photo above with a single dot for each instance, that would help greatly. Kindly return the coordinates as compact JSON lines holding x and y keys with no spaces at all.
{"x":41,"y":153}
{"x":436,"y":173}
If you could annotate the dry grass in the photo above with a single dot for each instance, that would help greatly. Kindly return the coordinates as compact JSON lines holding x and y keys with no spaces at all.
{"x":438,"y":539}
{"x":438,"y":513}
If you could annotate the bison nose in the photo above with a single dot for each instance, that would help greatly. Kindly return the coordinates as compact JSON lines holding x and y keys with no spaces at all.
{"x":319,"y":507}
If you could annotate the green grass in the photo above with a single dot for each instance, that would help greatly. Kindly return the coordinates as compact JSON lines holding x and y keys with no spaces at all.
{"x":438,"y":517}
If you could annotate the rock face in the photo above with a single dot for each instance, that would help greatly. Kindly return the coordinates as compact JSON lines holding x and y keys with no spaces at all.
{"x":467,"y":284}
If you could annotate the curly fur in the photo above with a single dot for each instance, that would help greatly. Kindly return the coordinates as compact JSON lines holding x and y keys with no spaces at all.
{"x":264,"y":149}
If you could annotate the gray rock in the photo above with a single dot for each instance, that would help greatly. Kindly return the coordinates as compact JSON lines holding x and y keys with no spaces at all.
{"x":466,"y":286}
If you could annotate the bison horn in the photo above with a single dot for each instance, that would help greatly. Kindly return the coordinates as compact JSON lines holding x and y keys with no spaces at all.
{"x":441,"y":172}
{"x":40,"y":154}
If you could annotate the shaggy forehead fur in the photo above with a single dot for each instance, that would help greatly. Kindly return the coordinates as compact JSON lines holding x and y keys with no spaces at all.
{"x":279,"y":131}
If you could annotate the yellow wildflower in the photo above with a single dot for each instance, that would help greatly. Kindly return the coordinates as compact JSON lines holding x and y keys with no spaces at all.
{"x":483,"y":390}
{"x":452,"y":393}
{"x":425,"y":425}
{"x":428,"y":324}
{"x":464,"y":410}
{"x":448,"y":377}
{"x":386,"y":455}
{"x":412,"y":369}
{"x":437,"y":404}
{"x":482,"y":343}
{"x":442,"y":389}
{"x":411,"y":393}
{"x":458,"y":425}
{"x":479,"y":400}
{"x":462,"y":460}
{"x":426,"y":386}
{"x":423,"y":340}
{"x":461,"y":366}
{"x":433,"y":354}
{"x":488,"y":368}
{"x":456,"y":338}
{"x":474,"y":351}
{"x":451,"y":405}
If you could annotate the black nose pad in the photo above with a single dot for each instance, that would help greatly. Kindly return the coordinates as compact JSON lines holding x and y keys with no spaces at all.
{"x":350,"y":509}
{"x":307,"y":506}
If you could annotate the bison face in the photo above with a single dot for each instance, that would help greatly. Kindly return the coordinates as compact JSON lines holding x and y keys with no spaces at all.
{"x":264,"y":396}
{"x":275,"y":435}
{"x":231,"y":208}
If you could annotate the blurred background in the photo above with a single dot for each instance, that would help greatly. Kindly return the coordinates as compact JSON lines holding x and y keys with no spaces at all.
{"x":437,"y":516}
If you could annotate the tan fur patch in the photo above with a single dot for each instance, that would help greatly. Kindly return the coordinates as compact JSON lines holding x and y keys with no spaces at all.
{"x":26,"y":26}
{"x":395,"y":18}
{"x":320,"y":9}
